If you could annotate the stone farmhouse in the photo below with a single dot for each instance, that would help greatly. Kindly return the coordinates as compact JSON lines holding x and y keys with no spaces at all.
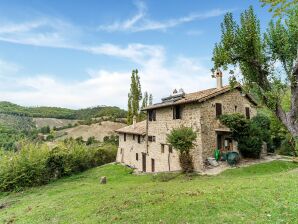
{"x":143,"y":145}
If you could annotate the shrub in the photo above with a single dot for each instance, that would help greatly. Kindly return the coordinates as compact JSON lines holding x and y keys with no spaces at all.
{"x":91,"y":140}
{"x":112,"y":139}
{"x":250,"y":134}
{"x":36,"y":164}
{"x":182,"y":139}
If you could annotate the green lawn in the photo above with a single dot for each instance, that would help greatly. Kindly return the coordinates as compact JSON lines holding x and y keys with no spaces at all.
{"x":264,"y":193}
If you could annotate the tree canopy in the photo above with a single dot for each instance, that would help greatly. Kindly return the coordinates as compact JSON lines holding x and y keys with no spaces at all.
{"x":266,"y":60}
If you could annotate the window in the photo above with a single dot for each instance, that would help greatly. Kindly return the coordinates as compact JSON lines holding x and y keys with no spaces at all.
{"x":218,"y":108}
{"x":137,"y":156}
{"x":235,"y":108}
{"x":162,"y":148}
{"x":124,"y":137}
{"x":151,"y":138}
{"x":177,"y":112}
{"x":133,"y":137}
{"x":247,"y":112}
{"x":121,"y":151}
{"x":139,"y":139}
{"x":170,"y":149}
{"x":152,"y":115}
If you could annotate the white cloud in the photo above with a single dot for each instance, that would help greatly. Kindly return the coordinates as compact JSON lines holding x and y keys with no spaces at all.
{"x":141,"y":22}
{"x":106,"y":87}
{"x":8,"y":68}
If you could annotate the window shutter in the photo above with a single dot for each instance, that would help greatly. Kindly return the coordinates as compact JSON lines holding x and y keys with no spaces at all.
{"x":218,"y":108}
{"x":247,"y":112}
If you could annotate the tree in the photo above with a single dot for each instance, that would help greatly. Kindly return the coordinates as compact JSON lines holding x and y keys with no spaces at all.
{"x":279,"y":7}
{"x":134,"y":97}
{"x":150,"y":99}
{"x":242,"y":46}
{"x":250,"y":134}
{"x":182,"y":139}
{"x":145,"y":100}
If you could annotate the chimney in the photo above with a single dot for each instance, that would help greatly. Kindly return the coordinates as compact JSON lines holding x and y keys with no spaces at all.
{"x":134,"y":121}
{"x":218,"y":76}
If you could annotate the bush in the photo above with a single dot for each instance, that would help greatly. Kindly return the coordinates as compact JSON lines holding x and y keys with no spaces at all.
{"x":250,"y":134}
{"x":91,"y":140}
{"x":112,"y":139}
{"x":36,"y":164}
{"x":182,"y":139}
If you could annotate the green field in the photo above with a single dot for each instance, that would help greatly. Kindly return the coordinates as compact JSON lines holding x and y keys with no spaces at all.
{"x":264,"y":193}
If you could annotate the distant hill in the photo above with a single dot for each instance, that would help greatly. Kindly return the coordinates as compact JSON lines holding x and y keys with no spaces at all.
{"x":62,"y":113}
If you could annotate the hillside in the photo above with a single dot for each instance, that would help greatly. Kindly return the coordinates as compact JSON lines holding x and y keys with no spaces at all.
{"x":98,"y":130}
{"x":53,"y":122}
{"x":263,"y":193}
{"x":61,"y":113}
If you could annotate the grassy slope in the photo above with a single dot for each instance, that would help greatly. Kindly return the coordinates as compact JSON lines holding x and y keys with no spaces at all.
{"x":264,"y":193}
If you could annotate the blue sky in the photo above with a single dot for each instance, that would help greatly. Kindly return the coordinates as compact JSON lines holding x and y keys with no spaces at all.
{"x":76,"y":53}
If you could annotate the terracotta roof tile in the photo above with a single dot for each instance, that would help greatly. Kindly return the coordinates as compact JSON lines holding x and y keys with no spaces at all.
{"x":138,"y":129}
{"x":199,"y":96}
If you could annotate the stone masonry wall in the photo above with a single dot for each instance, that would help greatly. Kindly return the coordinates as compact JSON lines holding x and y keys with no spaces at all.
{"x":200,"y":116}
{"x":127,"y":151}
{"x":209,"y":122}
{"x":162,"y":126}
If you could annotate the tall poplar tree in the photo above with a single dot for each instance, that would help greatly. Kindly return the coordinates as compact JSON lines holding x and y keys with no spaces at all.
{"x":134,"y":97}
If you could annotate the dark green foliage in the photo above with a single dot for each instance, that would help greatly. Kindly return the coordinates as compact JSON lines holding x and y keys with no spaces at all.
{"x":182,"y":139}
{"x":79,"y":139}
{"x":36,"y":164}
{"x":14,"y":129}
{"x":250,"y":134}
{"x":45,"y":130}
{"x":279,"y":7}
{"x":91,"y":140}
{"x":243,"y":46}
{"x":112,"y":139}
{"x":62,"y":113}
{"x":134,"y":97}
{"x":287,"y":147}
{"x":50,"y":137}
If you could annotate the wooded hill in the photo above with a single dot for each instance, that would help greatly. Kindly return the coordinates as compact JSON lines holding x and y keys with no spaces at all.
{"x":62,"y":113}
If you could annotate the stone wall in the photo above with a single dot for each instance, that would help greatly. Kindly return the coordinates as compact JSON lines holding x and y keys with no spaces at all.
{"x":127,"y":151}
{"x":209,"y":122}
{"x":200,"y":116}
{"x":162,"y":126}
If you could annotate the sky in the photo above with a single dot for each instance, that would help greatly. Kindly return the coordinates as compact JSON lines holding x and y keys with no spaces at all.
{"x":78,"y":54}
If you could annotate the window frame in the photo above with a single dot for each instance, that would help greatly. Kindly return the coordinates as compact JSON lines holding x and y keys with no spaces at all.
{"x":177,"y":116}
{"x":162,"y":148}
{"x":170,"y":149}
{"x":218,"y":110}
{"x":247,"y":113}
{"x":151,"y":138}
{"x":152,"y":115}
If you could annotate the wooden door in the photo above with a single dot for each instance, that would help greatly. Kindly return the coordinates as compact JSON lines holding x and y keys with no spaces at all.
{"x":152,"y":165}
{"x":144,"y":162}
